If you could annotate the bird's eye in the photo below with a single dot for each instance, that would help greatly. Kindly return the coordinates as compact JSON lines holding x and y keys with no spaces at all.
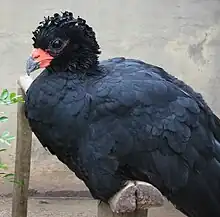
{"x":57,"y":44}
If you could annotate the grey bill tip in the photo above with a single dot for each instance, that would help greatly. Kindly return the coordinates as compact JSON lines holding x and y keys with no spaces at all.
{"x":31,"y":65}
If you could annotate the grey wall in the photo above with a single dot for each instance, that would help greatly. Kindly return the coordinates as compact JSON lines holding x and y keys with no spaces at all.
{"x":183,"y":36}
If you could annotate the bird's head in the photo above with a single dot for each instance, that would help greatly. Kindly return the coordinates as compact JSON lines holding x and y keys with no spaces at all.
{"x":62,"y":42}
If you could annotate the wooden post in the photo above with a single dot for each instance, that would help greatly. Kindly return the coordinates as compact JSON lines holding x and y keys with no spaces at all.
{"x":133,"y":200}
{"x":23,"y":156}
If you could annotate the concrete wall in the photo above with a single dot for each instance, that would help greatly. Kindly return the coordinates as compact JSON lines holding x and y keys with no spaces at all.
{"x":183,"y":36}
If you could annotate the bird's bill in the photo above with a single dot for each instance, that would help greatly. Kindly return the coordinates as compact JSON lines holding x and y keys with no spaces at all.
{"x":38,"y":59}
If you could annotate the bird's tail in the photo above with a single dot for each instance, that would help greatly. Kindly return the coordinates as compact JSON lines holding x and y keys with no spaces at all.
{"x":203,"y":189}
{"x":201,"y":196}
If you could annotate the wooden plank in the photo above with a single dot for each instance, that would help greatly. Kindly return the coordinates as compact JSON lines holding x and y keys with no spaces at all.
{"x":22,"y":160}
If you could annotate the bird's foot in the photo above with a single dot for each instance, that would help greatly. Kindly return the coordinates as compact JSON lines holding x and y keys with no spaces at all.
{"x":136,"y":195}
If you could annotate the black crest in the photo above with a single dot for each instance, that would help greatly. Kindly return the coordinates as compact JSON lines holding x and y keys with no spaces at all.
{"x":61,"y":20}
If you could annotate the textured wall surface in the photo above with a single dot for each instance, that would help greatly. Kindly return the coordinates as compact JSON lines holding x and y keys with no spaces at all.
{"x":182,"y":36}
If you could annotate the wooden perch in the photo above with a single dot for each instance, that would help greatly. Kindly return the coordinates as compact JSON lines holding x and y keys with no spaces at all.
{"x":24,"y":83}
{"x":23,"y":155}
{"x":133,"y":200}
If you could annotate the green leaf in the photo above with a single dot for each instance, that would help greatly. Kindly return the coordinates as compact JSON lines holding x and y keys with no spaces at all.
{"x":16,"y":182}
{"x":9,"y":175}
{"x":3,"y":119}
{"x":5,"y":141}
{"x":5,"y":134}
{"x":3,"y":149}
{"x":6,"y":138}
{"x":4,"y":94}
{"x":12,"y":95}
{"x":18,"y":99}
{"x":10,"y":138}
{"x":3,"y":166}
{"x":11,"y":178}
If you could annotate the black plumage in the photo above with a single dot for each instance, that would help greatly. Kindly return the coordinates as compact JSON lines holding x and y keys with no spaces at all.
{"x":122,"y":119}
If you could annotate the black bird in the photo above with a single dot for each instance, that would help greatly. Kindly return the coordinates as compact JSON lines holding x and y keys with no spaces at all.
{"x":121,"y":119}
